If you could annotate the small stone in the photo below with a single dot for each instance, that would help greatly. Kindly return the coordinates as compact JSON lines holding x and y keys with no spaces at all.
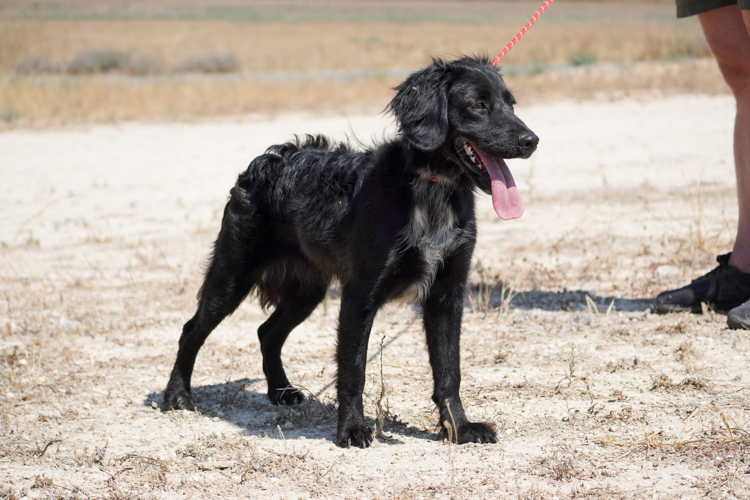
{"x":288,"y":425}
{"x":226,"y":464}
{"x":154,"y":405}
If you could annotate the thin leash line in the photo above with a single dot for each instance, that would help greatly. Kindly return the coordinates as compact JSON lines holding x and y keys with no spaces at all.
{"x":522,"y":31}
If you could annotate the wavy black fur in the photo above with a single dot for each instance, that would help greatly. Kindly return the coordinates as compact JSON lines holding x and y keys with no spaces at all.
{"x":394,"y":220}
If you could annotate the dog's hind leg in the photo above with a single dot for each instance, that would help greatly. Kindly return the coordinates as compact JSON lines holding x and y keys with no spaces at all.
{"x":443,"y":311}
{"x":292,"y":310}
{"x":232,"y":273}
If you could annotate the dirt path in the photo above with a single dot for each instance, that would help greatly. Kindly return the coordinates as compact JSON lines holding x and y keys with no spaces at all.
{"x":103,"y":232}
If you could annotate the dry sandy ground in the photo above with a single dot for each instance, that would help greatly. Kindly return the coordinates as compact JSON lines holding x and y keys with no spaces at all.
{"x":104,"y":231}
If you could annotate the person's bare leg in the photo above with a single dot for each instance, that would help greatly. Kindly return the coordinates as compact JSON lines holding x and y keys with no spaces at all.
{"x":727,"y":287}
{"x":727,"y":31}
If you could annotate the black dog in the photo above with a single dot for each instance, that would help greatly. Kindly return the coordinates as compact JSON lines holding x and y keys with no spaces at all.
{"x":386,"y":222}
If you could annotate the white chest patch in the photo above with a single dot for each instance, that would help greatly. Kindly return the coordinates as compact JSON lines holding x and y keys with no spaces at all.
{"x":434,"y":234}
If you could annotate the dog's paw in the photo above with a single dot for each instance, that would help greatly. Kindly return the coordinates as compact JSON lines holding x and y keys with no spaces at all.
{"x":473,"y":432}
{"x":178,"y":400}
{"x":286,"y":396}
{"x":358,"y":435}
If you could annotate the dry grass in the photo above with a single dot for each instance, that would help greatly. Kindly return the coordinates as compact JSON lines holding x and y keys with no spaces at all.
{"x":708,"y":424}
{"x":338,"y":45}
{"x":64,"y":100}
{"x":153,"y":45}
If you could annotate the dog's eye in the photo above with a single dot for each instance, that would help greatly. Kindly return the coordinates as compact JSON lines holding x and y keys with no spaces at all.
{"x":479,"y":106}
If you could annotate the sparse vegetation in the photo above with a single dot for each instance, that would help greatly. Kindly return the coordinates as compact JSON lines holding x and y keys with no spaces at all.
{"x":35,"y":65}
{"x":89,"y":61}
{"x":582,"y":59}
{"x":268,"y":58}
{"x":572,"y":364}
{"x":99,"y":266}
{"x":219,"y":62}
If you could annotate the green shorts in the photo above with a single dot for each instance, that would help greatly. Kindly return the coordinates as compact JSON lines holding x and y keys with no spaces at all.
{"x":687,"y":8}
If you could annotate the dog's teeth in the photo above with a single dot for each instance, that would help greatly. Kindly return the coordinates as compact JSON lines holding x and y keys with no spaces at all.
{"x":469,"y":151}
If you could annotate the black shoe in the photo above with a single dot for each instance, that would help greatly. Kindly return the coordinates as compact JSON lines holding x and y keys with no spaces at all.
{"x":724,"y":288}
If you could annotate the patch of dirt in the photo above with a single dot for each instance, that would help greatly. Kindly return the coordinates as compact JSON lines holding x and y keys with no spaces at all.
{"x":104,"y":233}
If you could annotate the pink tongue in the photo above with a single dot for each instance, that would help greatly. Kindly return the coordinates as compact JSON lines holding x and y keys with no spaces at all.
{"x":505,"y":198}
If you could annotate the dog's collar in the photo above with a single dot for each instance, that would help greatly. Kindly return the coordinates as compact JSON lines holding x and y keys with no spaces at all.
{"x":430,"y":178}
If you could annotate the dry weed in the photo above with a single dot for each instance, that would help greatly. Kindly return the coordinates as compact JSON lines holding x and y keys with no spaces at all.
{"x":8,"y":493}
{"x":97,"y":61}
{"x":489,"y":292}
{"x":214,"y":62}
{"x":679,"y":327}
{"x":35,"y":65}
{"x":140,"y":469}
{"x":623,"y":364}
{"x":664,"y":382}
{"x":708,"y":424}
{"x":685,"y":351}
{"x":41,"y":481}
{"x":559,"y":464}
{"x":480,"y":295}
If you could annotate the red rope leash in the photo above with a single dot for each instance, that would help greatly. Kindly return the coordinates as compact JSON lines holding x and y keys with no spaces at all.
{"x":523,"y":31}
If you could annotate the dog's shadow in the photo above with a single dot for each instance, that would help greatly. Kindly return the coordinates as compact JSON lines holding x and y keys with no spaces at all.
{"x":239,"y":403}
{"x":484,"y":297}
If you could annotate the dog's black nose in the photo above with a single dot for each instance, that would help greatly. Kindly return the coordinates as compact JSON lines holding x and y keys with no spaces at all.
{"x":528,"y":141}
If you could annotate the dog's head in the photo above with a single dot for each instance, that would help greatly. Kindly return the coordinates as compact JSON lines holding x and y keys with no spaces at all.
{"x":463,"y":110}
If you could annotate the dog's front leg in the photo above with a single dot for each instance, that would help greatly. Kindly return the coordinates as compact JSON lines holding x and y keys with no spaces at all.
{"x":355,"y":321}
{"x":443,"y":311}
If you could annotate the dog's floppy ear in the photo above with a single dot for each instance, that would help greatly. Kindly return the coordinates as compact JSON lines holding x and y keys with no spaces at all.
{"x":421,"y":107}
